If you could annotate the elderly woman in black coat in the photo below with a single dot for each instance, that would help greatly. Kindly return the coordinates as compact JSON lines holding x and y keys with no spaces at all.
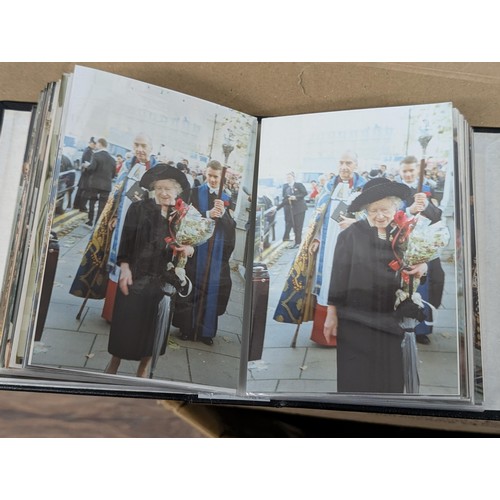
{"x":362,"y":292}
{"x":143,"y":258}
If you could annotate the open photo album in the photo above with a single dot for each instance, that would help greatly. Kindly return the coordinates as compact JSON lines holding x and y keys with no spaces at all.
{"x":160,"y":245}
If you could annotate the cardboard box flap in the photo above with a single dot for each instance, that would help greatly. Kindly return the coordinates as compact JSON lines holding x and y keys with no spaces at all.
{"x":272,"y":89}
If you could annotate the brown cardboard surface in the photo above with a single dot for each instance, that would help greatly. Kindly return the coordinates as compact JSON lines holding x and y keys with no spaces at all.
{"x":35,"y":415}
{"x":272,"y":89}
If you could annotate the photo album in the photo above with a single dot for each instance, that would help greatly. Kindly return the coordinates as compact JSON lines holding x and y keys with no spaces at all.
{"x":159,"y":245}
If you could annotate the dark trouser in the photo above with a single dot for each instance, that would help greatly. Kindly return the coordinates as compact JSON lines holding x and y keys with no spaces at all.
{"x":431,"y":291}
{"x":288,"y":224}
{"x":295,"y":222}
{"x":97,"y":195}
{"x":80,"y":201}
{"x":298,"y":225}
{"x":82,"y":193}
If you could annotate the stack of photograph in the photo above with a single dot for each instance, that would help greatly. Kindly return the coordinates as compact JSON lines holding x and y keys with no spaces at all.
{"x":159,"y":245}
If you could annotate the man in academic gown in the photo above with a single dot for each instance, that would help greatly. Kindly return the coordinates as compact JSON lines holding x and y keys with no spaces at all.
{"x":421,"y":203}
{"x":197,"y":315}
{"x":98,"y":274}
{"x":128,"y":190}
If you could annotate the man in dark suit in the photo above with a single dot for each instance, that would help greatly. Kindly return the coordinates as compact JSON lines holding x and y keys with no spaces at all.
{"x":102,"y":170}
{"x":294,"y":207}
{"x":81,"y":196}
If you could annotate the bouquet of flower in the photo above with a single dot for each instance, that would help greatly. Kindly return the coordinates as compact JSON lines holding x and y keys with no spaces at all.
{"x":416,"y":241}
{"x":425,"y":242}
{"x":187,"y":227}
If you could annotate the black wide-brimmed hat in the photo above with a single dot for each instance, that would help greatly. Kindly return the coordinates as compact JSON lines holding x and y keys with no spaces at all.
{"x":162,"y":171}
{"x":378,"y":189}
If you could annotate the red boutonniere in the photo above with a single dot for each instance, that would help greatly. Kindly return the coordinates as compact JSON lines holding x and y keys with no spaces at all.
{"x":226,"y":203}
{"x":400,"y":218}
{"x":181,"y":209}
{"x":395,"y":265}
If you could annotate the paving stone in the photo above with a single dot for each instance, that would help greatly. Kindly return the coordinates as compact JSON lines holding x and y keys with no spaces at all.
{"x":319,"y":364}
{"x":258,"y":386}
{"x":210,"y":368}
{"x":64,"y":348}
{"x":62,"y":316}
{"x":307,"y":386}
{"x":92,"y":321}
{"x":277,"y":363}
{"x":439,"y":369}
{"x":173,"y":365}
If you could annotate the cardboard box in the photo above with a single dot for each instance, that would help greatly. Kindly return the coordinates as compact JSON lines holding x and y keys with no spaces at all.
{"x":272,"y":89}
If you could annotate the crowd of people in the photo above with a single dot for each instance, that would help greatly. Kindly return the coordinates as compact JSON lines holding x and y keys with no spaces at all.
{"x":344,"y":279}
{"x":132,"y":250}
{"x":344,"y":260}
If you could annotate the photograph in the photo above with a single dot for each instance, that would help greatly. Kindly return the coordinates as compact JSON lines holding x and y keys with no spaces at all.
{"x":356,"y":230}
{"x":145,"y":265}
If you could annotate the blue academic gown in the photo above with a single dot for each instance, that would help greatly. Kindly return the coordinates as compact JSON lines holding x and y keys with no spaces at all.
{"x":197,"y":315}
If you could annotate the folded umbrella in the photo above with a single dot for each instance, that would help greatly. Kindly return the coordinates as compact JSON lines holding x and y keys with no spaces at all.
{"x":163,"y":322}
{"x":410,"y":315}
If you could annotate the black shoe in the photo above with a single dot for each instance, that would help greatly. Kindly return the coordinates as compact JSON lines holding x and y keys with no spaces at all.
{"x":89,"y":223}
{"x":207,"y":340}
{"x":295,"y":246}
{"x":185,"y":336}
{"x":423,"y":339}
{"x":83,"y":210}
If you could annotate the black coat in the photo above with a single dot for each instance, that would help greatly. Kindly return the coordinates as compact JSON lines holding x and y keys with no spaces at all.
{"x":298,"y":205}
{"x":87,"y":155}
{"x":102,"y":170}
{"x":143,"y":247}
{"x":362,"y":287}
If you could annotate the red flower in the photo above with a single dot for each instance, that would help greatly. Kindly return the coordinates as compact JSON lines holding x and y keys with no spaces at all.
{"x":400,"y":218}
{"x":179,"y":204}
{"x":395,"y":265}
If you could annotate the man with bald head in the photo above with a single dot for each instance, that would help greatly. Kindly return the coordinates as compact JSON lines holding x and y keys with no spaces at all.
{"x":97,"y":277}
{"x":339,"y":191}
{"x":318,"y":249}
{"x":128,"y":184}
